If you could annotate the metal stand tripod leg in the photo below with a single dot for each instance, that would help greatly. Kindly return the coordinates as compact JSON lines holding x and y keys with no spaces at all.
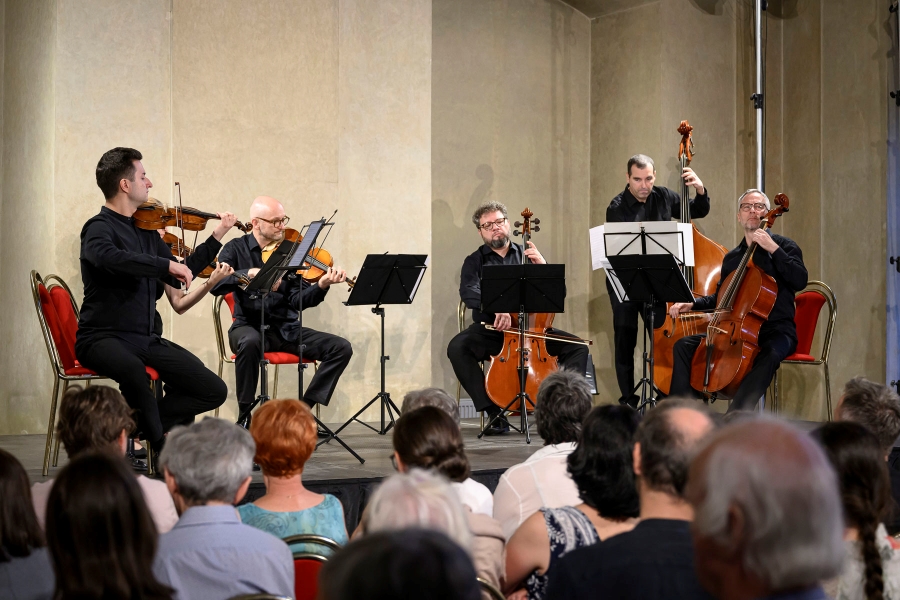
{"x":649,"y":392}
{"x":386,"y":403}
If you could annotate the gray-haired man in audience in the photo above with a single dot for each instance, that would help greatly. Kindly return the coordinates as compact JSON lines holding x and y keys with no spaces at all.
{"x":767,"y":518}
{"x":210,"y":553}
{"x":655,"y":559}
{"x":431,"y":397}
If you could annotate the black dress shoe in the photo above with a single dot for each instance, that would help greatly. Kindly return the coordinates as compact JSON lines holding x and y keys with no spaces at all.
{"x":322,"y":434}
{"x":498,"y":427}
{"x":631,"y":401}
{"x":142,"y":453}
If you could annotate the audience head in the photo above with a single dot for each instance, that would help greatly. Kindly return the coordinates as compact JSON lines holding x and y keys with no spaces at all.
{"x":114,"y":166}
{"x":602,"y":464}
{"x":865,"y":486}
{"x":429,"y":438}
{"x":208,"y":462}
{"x":94,"y":418}
{"x":431,"y":397}
{"x":874,"y":406}
{"x":411,"y":563}
{"x":100,"y":534}
{"x":20,"y":532}
{"x":664,"y":441}
{"x":285,"y":436}
{"x":418,"y":499}
{"x":563,"y":401}
{"x":767,"y":514}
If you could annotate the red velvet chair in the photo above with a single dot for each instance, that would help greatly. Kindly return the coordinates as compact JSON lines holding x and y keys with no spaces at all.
{"x":274,"y":358}
{"x":308,"y":564}
{"x":57,"y":314}
{"x":809,"y":304}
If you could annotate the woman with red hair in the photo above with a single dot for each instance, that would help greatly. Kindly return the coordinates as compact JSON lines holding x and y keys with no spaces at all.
{"x":285,"y":436}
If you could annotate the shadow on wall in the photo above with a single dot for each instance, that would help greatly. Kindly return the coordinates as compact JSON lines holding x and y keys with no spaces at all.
{"x":453,"y":238}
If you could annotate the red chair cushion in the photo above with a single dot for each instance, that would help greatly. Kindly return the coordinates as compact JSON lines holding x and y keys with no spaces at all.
{"x":51,"y":317}
{"x":229,"y":300}
{"x":306,"y":578}
{"x":809,"y":305}
{"x":67,"y":320}
{"x":282,"y":358}
{"x":801,"y":357}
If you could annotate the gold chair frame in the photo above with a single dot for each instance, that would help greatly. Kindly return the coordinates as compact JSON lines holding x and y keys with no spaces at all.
{"x":226,"y":358}
{"x":826,"y":292}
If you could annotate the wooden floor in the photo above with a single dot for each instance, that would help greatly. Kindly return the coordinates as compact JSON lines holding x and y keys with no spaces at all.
{"x":331,"y":462}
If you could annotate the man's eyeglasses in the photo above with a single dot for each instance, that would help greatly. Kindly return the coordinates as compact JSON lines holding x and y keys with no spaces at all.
{"x":758,"y":207}
{"x":276,"y":222}
{"x":490,"y":224}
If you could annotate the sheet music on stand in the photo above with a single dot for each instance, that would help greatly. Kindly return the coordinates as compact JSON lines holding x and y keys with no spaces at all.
{"x":662,"y":237}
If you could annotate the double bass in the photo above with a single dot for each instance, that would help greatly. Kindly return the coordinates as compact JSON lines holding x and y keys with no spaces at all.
{"x":701,"y":278}
{"x":743,"y":303}
{"x":502,"y":380}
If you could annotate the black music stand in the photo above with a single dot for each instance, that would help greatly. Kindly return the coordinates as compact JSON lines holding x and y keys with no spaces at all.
{"x":650,"y":278}
{"x":522,"y":289}
{"x":385,"y":279}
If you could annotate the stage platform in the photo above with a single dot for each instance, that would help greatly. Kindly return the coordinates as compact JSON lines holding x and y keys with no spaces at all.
{"x":333,"y":470}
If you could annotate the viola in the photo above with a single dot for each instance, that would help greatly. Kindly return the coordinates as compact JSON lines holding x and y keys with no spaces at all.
{"x":702,"y":279}
{"x":318,"y":261}
{"x":744,"y":301}
{"x":502,"y":380}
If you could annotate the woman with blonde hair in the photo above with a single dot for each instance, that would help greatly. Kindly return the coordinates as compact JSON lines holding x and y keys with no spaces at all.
{"x":285,"y":436}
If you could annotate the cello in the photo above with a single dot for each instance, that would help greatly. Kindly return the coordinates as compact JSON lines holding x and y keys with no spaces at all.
{"x":701,"y":278}
{"x":502,"y":382}
{"x":744,"y":301}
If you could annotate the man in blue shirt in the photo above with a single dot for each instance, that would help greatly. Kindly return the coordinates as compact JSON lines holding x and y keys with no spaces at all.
{"x":210,"y":554}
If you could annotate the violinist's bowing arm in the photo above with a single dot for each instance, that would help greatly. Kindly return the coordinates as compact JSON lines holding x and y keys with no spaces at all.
{"x":181,"y":302}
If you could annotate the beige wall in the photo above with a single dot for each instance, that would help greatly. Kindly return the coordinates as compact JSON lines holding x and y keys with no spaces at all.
{"x":510,"y":122}
{"x":826,"y":138}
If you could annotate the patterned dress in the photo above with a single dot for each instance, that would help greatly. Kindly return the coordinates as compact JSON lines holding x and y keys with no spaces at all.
{"x":568,"y":529}
{"x":325,"y":518}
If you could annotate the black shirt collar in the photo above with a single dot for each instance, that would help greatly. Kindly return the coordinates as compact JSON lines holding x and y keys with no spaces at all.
{"x":105,"y":210}
{"x":486,"y":250}
{"x":630,"y":199}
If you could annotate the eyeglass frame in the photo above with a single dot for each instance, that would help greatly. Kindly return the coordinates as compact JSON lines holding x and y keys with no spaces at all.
{"x":490,"y":224}
{"x":284,"y":221}
{"x":757,"y":206}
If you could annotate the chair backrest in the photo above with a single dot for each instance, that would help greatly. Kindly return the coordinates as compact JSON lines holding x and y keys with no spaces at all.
{"x":229,"y":300}
{"x":809,"y":305}
{"x":307,"y":564}
{"x":493,"y":592}
{"x":58,"y":317}
{"x":461,"y":315}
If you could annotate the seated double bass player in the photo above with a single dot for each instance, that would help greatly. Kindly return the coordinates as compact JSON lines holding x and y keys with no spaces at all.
{"x":778,"y":257}
{"x":477,"y":343}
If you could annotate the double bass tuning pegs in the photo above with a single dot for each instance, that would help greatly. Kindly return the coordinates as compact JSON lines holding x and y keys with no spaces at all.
{"x":536,"y":222}
{"x":535,"y":228}
{"x":517,"y":232}
{"x":517,"y":224}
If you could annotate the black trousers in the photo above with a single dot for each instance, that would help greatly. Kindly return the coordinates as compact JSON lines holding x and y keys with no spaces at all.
{"x":476,"y":344}
{"x":775,"y":345}
{"x":331,"y":351}
{"x":190,"y":388}
{"x":625,"y":334}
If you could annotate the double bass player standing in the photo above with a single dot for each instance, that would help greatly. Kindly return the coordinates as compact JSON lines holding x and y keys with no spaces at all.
{"x":777,"y":256}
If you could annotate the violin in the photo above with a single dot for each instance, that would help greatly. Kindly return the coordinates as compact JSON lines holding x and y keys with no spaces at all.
{"x":745,"y":299}
{"x":502,"y":380}
{"x":153,"y":214}
{"x":181,"y":250}
{"x":701,"y":278}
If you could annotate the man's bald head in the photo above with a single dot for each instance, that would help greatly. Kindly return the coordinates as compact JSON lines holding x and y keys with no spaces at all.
{"x":665,"y":440}
{"x":267,"y":208}
{"x":766,"y":504}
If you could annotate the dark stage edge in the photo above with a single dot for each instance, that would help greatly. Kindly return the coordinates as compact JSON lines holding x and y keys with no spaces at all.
{"x":333,"y":470}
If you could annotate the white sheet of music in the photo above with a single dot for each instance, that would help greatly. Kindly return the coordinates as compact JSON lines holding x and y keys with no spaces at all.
{"x":668,"y":237}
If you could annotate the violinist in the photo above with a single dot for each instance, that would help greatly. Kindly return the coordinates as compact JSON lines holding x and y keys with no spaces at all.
{"x":779,"y":257}
{"x":245,"y":254}
{"x":643,"y":201}
{"x":122,"y":269}
{"x":477,"y":343}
